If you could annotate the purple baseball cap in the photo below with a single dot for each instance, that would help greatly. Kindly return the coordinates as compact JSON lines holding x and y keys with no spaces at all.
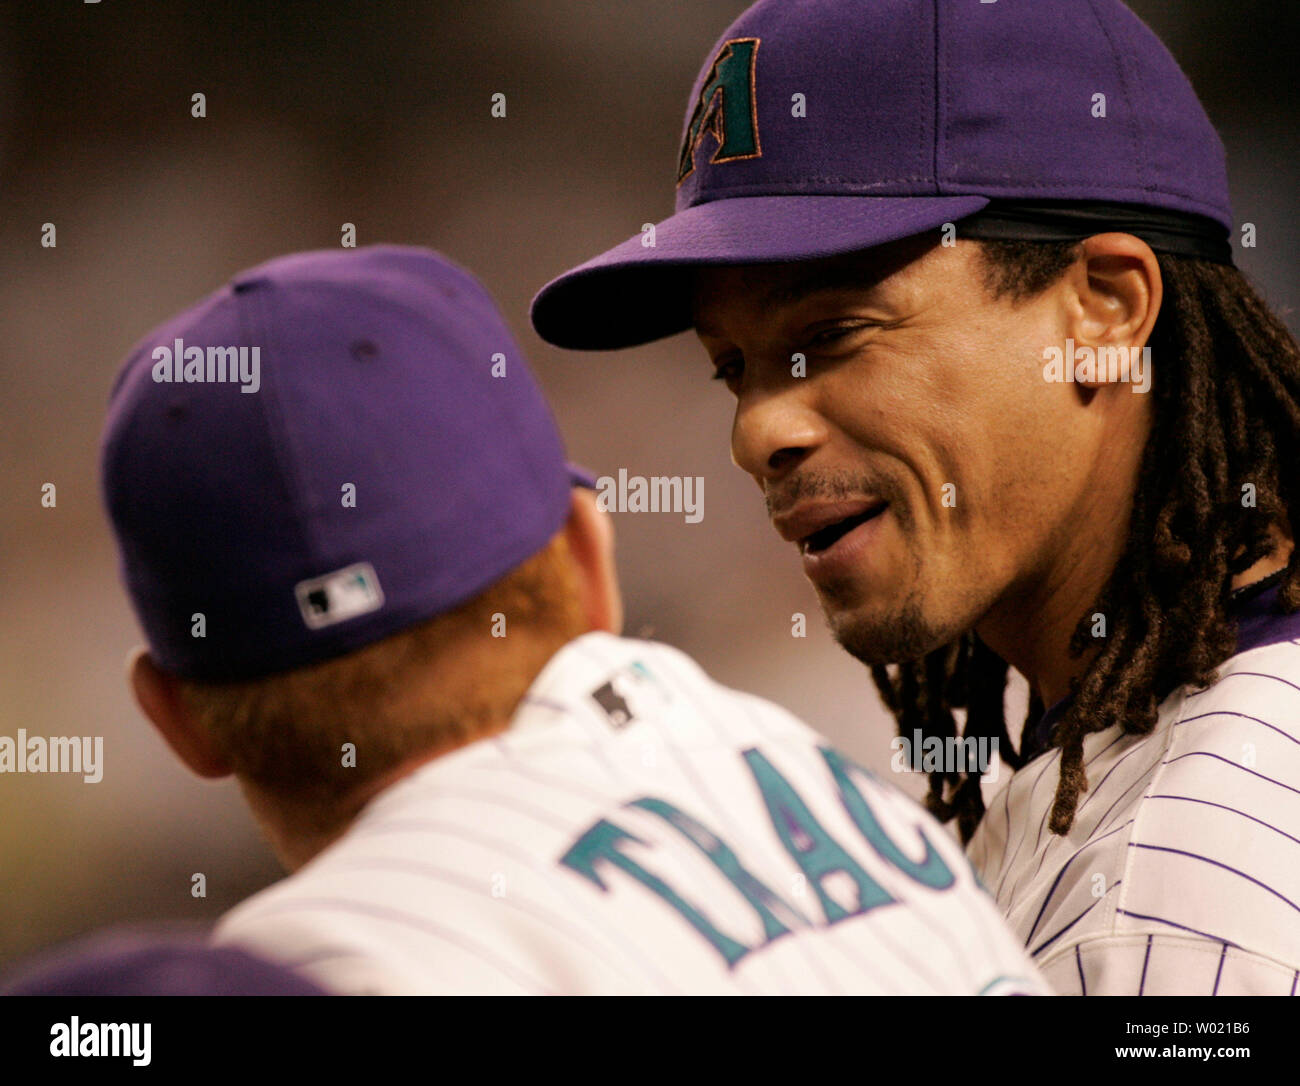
{"x":330,"y":448}
{"x":821,"y":127}
{"x":126,"y":962}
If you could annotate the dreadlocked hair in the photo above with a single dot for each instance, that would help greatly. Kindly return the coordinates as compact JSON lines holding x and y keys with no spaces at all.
{"x":1226,"y":425}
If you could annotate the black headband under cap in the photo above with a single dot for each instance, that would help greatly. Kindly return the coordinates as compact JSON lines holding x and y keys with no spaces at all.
{"x":1172,"y":232}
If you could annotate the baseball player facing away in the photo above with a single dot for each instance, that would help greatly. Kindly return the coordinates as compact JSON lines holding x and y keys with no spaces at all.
{"x":965,"y":268}
{"x":375,"y":592}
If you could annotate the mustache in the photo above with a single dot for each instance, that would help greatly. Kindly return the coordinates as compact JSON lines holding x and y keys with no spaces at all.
{"x":832,"y":486}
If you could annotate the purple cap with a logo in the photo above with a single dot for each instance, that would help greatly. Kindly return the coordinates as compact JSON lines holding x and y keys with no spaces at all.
{"x":821,"y":127}
{"x":332,"y":447}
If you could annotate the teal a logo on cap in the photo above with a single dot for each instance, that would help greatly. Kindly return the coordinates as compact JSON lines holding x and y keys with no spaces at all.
{"x":726,"y":107}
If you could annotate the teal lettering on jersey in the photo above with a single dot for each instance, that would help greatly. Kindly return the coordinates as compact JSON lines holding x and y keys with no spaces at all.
{"x":812,"y":848}
{"x":725,"y":107}
{"x":931,"y":871}
{"x":764,"y":900}
{"x":601,"y":844}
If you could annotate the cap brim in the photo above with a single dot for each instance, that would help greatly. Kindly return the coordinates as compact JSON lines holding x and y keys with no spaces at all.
{"x":638,"y":292}
{"x":580,"y":476}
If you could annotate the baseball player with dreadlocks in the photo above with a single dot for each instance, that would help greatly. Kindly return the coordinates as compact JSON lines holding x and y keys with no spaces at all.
{"x":966,"y":270}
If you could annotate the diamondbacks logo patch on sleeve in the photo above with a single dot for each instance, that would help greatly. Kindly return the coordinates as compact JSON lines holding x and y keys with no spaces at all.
{"x":726,"y":108}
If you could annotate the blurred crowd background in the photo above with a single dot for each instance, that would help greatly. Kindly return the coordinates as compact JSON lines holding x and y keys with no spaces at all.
{"x":378,"y":114}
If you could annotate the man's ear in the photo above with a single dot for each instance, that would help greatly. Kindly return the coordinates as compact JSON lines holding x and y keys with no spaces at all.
{"x":158,"y":694}
{"x":1118,"y":291}
{"x":590,"y":536}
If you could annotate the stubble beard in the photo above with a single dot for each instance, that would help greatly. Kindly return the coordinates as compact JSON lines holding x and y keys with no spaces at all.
{"x":871,"y":635}
{"x":883,"y":638}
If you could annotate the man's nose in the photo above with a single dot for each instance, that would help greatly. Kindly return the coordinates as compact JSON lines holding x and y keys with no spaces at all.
{"x":774,"y":431}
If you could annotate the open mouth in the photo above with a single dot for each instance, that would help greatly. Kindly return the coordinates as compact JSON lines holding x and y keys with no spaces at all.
{"x":827,"y":537}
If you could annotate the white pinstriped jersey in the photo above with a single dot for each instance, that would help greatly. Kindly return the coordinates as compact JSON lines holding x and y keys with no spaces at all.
{"x":1181,"y":875}
{"x":639,"y":829}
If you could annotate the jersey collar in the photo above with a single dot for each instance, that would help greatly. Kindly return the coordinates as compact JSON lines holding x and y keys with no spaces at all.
{"x":1260,"y":622}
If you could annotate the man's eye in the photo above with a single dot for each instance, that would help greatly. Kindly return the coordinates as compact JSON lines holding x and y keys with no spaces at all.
{"x":729,"y":372}
{"x":831,"y":335}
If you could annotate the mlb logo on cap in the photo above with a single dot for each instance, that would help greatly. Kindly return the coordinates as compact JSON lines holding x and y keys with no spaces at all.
{"x":339,"y":596}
